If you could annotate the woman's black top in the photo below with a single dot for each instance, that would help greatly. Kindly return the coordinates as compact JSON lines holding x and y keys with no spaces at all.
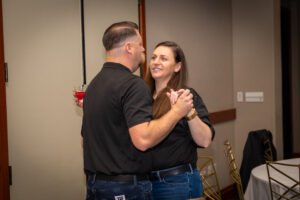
{"x":179,"y":147}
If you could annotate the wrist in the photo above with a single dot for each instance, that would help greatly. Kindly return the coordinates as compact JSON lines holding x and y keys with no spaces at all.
{"x":191,"y":112}
{"x":192,"y":115}
{"x":176,"y":111}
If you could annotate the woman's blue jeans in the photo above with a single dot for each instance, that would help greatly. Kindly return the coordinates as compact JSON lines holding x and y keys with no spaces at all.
{"x":178,"y":187}
{"x":109,"y":190}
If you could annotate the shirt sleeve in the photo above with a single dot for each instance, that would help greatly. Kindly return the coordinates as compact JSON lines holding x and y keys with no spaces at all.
{"x":202,"y":110}
{"x":137,"y":102}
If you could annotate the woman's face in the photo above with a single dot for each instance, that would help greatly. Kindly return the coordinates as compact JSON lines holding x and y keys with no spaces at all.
{"x":162,"y":64}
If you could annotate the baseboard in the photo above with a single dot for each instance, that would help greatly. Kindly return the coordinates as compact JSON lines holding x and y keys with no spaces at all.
{"x":228,"y":192}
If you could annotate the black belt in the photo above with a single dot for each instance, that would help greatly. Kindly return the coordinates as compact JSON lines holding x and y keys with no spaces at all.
{"x":128,"y":178}
{"x":178,"y":170}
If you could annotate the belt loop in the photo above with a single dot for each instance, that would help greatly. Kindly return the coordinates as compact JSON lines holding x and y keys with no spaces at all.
{"x":191,"y":168}
{"x":158,"y":175}
{"x":134,"y":180}
{"x":94,"y":178}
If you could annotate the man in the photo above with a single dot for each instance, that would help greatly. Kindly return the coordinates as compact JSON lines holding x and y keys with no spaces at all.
{"x":117,"y":126}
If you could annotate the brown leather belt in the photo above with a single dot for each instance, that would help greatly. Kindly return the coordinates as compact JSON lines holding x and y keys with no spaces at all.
{"x":177,"y":170}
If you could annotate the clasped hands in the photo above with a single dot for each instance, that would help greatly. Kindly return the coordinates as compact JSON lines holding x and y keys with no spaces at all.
{"x":181,"y":101}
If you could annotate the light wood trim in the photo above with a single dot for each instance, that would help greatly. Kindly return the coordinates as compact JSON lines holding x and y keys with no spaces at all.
{"x":222,"y":116}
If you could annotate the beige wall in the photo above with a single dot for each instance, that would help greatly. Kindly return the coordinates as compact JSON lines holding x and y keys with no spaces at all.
{"x":43,"y":52}
{"x":203,"y":30}
{"x":230,"y":46}
{"x":257,"y":67}
{"x":98,"y":16}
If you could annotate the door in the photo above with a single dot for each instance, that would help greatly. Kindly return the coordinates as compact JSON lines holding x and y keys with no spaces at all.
{"x":4,"y":174}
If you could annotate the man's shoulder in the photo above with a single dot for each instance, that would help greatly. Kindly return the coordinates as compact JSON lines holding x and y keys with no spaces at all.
{"x":136,"y":82}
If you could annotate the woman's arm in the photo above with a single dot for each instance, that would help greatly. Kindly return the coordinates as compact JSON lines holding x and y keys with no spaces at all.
{"x":200,"y":131}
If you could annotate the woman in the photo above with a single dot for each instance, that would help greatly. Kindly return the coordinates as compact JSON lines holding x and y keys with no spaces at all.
{"x":174,"y":174}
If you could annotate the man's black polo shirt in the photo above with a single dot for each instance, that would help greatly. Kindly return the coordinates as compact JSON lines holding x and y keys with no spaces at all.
{"x":114,"y":101}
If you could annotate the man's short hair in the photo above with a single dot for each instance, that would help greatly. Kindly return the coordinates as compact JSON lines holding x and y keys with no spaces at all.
{"x":117,"y":33}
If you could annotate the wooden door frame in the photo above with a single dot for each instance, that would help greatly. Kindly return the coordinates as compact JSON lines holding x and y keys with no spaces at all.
{"x":142,"y":26}
{"x":4,"y":171}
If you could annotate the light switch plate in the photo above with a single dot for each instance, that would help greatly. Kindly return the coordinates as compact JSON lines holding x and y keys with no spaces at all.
{"x":240,"y":97}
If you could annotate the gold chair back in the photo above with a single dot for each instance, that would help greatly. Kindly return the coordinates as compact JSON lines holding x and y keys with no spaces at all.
{"x":211,"y":187}
{"x":268,"y":154}
{"x":288,"y":192}
{"x":233,"y":169}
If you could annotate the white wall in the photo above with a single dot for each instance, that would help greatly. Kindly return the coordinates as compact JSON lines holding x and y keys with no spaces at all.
{"x":43,"y":51}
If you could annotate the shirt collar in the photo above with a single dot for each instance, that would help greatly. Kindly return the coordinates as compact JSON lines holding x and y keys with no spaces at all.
{"x":115,"y":66}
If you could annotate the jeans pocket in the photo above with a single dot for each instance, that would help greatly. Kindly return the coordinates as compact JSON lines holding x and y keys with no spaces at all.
{"x":179,"y":179}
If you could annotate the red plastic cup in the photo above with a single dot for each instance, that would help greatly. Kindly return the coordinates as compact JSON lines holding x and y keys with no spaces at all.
{"x":79,"y":95}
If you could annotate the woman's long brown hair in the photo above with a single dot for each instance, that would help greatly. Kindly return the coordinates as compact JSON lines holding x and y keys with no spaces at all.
{"x":161,"y":104}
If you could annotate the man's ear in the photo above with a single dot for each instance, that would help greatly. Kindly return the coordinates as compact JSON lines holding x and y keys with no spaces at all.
{"x":128,"y":47}
{"x":177,"y":67}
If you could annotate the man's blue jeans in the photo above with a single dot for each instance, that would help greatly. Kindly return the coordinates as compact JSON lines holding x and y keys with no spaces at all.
{"x":109,"y":190}
{"x":178,"y":187}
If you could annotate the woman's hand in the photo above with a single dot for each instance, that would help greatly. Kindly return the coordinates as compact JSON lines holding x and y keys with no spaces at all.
{"x":173,"y":95}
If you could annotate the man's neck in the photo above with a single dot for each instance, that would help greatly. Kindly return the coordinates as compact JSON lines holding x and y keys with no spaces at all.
{"x":118,"y":59}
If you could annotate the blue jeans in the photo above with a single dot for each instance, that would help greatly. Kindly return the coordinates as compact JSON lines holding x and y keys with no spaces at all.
{"x":178,"y":187}
{"x":110,"y":190}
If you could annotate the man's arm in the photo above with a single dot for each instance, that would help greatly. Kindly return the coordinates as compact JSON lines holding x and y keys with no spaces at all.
{"x":149,"y":134}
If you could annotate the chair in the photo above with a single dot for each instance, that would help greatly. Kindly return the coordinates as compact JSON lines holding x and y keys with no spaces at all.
{"x":258,"y":148}
{"x":211,"y":187}
{"x":287,"y":192}
{"x":268,"y":154}
{"x":233,"y":170}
